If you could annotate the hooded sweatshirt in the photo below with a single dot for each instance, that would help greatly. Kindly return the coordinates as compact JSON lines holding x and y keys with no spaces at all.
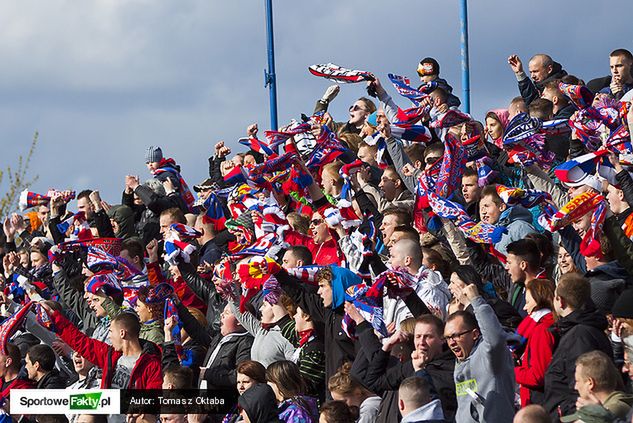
{"x":607,"y":283}
{"x":260,"y":404}
{"x":487,"y":373}
{"x":518,"y":223}
{"x":430,"y":412}
{"x":124,"y":216}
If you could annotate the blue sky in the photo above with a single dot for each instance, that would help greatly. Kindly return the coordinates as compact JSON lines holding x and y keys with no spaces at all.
{"x":104,"y":79}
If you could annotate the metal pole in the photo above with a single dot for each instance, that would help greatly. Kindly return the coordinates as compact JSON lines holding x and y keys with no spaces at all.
{"x":269,"y":76}
{"x":464,"y":49}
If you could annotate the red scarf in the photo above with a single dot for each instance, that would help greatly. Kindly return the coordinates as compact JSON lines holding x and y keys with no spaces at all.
{"x":305,"y":336}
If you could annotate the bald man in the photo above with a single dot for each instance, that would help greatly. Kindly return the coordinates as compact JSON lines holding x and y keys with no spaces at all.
{"x":542,"y":69}
{"x":406,"y":257}
{"x":532,"y":414}
{"x":415,"y":402}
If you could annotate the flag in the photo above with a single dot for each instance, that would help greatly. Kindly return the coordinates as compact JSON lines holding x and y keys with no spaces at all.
{"x":256,"y":145}
{"x":63,"y":226}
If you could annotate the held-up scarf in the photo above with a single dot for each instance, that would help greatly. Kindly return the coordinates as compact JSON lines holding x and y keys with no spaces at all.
{"x":402,"y":84}
{"x":11,"y":324}
{"x":276,"y":138}
{"x":252,"y":277}
{"x":525,"y":142}
{"x":168,"y":165}
{"x":256,"y":145}
{"x":327,"y":149}
{"x":575,"y":209}
{"x":368,"y":302}
{"x":338,"y":74}
{"x":169,"y":311}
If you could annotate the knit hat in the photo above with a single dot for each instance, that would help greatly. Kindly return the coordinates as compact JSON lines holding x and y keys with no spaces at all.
{"x":622,"y":306}
{"x":153,"y":155}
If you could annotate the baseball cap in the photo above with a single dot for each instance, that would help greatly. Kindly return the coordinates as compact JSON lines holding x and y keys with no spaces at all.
{"x":590,"y":414}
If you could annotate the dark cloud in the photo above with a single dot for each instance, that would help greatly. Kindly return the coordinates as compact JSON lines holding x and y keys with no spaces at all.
{"x":103,"y":80}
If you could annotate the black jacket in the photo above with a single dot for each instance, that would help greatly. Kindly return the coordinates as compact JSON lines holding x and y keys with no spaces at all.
{"x":559,"y":144}
{"x":146,"y":224}
{"x":52,"y":380}
{"x":157,"y":203}
{"x":530,"y":91}
{"x":580,"y":332}
{"x":221,"y":371}
{"x":338,"y":347}
{"x":205,"y":290}
{"x":385,"y":374}
{"x":193,"y":351}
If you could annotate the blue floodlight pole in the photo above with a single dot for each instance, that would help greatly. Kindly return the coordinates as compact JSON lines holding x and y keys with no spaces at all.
{"x":270,"y":78}
{"x":464,"y":48}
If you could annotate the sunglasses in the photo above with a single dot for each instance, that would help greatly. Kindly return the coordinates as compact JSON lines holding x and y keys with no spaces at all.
{"x":431,"y":160}
{"x":315,"y":222}
{"x":356,"y":108}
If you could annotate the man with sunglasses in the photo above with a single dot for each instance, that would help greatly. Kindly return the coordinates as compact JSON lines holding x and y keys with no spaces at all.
{"x":358,"y":112}
{"x":484,"y":371}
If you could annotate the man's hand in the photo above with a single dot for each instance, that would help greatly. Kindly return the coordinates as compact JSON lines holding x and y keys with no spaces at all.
{"x":591,"y":399}
{"x":471,"y":292}
{"x":353,"y":312}
{"x":408,"y":170}
{"x":152,"y":251}
{"x":61,"y":348}
{"x":331,"y":93}
{"x":394,"y":340}
{"x":385,"y":130}
{"x":9,"y":230}
{"x":251,"y":131}
{"x":131,"y":182}
{"x":419,"y":360}
{"x":170,"y":323}
{"x":442,"y":108}
{"x":376,"y":85}
{"x":221,"y":151}
{"x":18,"y":223}
{"x":204,"y":267}
{"x":169,"y":186}
{"x":96,"y":200}
{"x":616,"y":85}
{"x":515,"y":63}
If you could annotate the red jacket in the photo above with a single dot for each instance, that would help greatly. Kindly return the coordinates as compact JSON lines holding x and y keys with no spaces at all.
{"x":323,"y":254}
{"x":16,"y":383}
{"x":530,"y":375}
{"x":146,"y":374}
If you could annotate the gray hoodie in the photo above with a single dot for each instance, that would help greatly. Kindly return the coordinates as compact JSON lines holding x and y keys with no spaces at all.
{"x":518,"y":222}
{"x":488,"y":373}
{"x":428,"y":412}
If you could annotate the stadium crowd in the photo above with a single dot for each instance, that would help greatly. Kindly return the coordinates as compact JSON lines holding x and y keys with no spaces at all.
{"x":409,"y":263}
